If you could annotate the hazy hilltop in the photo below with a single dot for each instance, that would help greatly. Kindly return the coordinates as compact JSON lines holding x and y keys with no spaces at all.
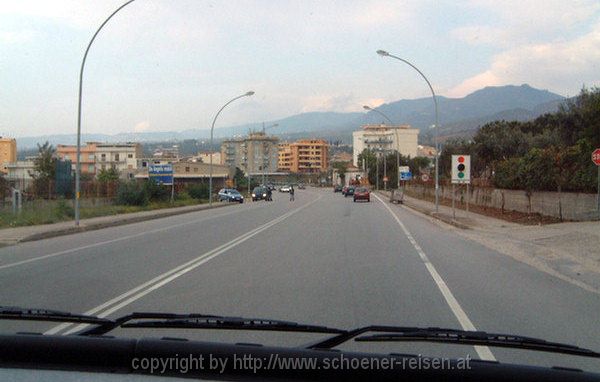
{"x":457,"y":116}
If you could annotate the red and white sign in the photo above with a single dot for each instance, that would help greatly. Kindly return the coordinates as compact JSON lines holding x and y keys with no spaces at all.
{"x":596,"y":157}
{"x":385,"y":178}
{"x":424,"y":177}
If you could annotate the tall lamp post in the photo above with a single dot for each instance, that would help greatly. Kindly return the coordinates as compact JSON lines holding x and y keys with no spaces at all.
{"x":212,"y":128}
{"x":78,"y":159}
{"x":265,"y":157}
{"x":366,"y":107}
{"x":383,"y":53}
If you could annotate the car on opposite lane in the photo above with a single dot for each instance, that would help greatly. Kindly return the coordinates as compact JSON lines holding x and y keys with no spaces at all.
{"x":230,"y":195}
{"x":349,"y":191}
{"x":285,"y":188}
{"x":259,"y":193}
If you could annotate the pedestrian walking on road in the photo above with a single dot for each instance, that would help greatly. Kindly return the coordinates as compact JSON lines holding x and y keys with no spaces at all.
{"x":292,"y":194}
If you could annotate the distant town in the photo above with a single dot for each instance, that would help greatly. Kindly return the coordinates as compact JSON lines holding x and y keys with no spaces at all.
{"x":256,"y":154}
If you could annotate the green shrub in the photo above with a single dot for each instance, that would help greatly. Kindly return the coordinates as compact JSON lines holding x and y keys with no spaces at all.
{"x":198,"y":191}
{"x":132,"y":194}
{"x":157,"y":192}
{"x":64,"y":209}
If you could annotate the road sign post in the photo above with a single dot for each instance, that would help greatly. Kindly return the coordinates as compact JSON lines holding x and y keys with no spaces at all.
{"x":596,"y":160}
{"x":461,"y":174}
{"x":162,"y":174}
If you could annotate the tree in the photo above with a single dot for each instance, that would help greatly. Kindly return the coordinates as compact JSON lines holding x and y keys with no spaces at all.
{"x":44,"y":169}
{"x":108,"y":175}
{"x":239,"y":178}
{"x":342,"y":168}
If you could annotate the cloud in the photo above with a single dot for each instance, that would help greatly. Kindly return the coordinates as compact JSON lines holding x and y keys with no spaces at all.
{"x":140,"y":127}
{"x":563,"y":64}
{"x":16,"y":37}
{"x":526,"y":21}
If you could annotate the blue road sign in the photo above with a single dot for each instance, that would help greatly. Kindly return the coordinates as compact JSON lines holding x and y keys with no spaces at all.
{"x":405,"y":175}
{"x":161,"y":173}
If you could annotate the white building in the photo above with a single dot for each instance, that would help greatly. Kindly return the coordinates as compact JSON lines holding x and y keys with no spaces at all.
{"x":121,"y":156}
{"x":20,"y":173}
{"x":402,"y":138}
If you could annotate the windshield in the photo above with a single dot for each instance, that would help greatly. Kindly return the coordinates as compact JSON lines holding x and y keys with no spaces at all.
{"x":429,"y":164}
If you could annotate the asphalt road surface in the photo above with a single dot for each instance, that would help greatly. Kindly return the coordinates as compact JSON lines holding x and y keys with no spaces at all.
{"x":321,"y":259}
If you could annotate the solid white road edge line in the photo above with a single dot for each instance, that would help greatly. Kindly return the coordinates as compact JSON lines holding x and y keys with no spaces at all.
{"x":484,"y":352}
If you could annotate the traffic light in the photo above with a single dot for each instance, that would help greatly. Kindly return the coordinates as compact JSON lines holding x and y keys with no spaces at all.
{"x":461,"y":169}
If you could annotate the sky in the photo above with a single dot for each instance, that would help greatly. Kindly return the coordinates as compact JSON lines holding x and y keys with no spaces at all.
{"x":169,"y":65}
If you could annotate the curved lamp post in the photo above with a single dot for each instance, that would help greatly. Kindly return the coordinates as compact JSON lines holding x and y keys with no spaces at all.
{"x":78,"y":160}
{"x":366,"y":107}
{"x":383,"y":53}
{"x":212,"y":128}
{"x":369,"y":108}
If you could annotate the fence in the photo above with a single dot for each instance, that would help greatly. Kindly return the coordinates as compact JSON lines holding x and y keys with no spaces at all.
{"x":564,"y":205}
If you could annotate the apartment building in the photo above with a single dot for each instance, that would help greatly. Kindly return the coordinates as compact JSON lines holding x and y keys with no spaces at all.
{"x":8,"y":153}
{"x":385,"y":138}
{"x":87,"y":156}
{"x":255,"y":154}
{"x":304,"y":156}
{"x":96,"y":156}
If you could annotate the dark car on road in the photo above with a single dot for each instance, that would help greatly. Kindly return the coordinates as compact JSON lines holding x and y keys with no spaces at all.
{"x":349,"y":191}
{"x":259,"y":193}
{"x":337,"y":188}
{"x":230,"y":195}
{"x":362,"y":193}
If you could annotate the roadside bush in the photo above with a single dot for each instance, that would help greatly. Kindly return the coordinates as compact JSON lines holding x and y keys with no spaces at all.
{"x":198,"y":191}
{"x":157,"y":192}
{"x":132,"y":194}
{"x":64,"y":209}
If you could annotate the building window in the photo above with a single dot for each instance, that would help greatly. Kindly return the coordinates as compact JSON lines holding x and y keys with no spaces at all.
{"x":91,"y":157}
{"x":103,"y":157}
{"x":187,"y":169}
{"x":129,"y":156}
{"x":90,"y":168}
{"x":117,"y":157}
{"x":67,"y":157}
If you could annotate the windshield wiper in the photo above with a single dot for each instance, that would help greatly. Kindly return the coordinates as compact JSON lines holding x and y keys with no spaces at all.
{"x":18,"y":313}
{"x":452,"y":336}
{"x":201,"y":321}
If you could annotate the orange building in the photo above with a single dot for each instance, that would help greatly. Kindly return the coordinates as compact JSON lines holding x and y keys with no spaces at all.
{"x":304,"y":156}
{"x":8,"y":153}
{"x":88,"y":156}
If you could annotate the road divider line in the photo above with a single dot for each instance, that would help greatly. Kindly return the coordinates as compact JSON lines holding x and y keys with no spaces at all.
{"x":101,"y":243}
{"x":140,"y":291}
{"x":484,"y":352}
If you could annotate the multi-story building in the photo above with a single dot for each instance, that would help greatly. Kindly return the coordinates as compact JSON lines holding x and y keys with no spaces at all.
{"x":385,"y":138}
{"x":254,"y":154}
{"x":8,"y":153}
{"x":87,"y":156}
{"x":97,"y":156}
{"x":304,"y":156}
{"x":20,"y":173}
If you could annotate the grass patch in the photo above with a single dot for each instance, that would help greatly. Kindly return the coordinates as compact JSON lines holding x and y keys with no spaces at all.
{"x":55,"y":211}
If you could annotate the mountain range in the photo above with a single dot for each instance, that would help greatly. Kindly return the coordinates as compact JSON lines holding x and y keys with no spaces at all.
{"x":457,"y":117}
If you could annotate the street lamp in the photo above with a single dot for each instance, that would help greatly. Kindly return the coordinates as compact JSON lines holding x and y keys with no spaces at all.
{"x":265,"y":157}
{"x":369,"y":108}
{"x":378,"y":112}
{"x":383,"y":53}
{"x":212,"y":128}
{"x":78,"y":159}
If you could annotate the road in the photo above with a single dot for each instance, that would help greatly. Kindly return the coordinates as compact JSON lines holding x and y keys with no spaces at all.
{"x":321,"y":259}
